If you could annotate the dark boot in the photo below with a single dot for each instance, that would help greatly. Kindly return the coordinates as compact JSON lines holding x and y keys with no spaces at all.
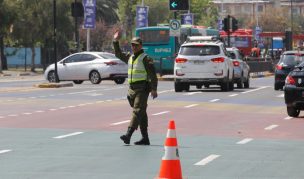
{"x":126,"y":138}
{"x":145,"y":138}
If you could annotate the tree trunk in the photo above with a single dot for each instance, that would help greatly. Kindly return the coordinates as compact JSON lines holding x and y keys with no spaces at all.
{"x":33,"y":59}
{"x":0,"y":56}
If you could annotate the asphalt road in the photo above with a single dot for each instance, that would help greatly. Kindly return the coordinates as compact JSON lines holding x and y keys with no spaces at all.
{"x":73,"y":132}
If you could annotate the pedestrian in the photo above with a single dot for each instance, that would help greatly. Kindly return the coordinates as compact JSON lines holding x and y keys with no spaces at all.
{"x":142,"y":81}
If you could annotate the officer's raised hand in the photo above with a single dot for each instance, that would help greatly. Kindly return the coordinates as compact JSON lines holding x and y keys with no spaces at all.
{"x":117,"y":35}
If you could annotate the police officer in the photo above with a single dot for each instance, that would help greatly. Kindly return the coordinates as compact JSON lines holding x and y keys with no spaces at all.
{"x":142,"y":80}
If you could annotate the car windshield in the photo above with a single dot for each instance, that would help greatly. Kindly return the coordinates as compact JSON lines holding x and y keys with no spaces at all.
{"x":292,"y":59}
{"x":199,"y":50}
{"x":107,"y":56}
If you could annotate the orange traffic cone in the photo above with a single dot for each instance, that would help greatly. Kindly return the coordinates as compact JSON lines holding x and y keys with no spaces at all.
{"x":170,"y":166}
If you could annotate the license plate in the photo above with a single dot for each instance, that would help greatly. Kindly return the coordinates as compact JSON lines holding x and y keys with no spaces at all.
{"x":198,"y":62}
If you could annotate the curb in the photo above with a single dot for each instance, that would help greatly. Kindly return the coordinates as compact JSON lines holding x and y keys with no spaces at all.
{"x":260,"y":74}
{"x":53,"y":85}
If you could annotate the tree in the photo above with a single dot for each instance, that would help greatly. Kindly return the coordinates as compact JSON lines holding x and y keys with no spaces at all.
{"x":7,"y":17}
{"x":205,"y":12}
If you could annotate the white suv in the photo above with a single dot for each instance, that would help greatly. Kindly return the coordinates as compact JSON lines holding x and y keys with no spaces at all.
{"x":203,"y":63}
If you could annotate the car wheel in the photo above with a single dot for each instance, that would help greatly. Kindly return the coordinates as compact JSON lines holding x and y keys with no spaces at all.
{"x":225,"y":86}
{"x":240,"y":83}
{"x":186,"y":87}
{"x":207,"y":86}
{"x":119,"y":80}
{"x":293,"y":112}
{"x":95,"y":77}
{"x":178,"y":87}
{"x":231,"y":86}
{"x":199,"y":86}
{"x":246,"y":83}
{"x":277,"y":86}
{"x":78,"y":81}
{"x":51,"y":77}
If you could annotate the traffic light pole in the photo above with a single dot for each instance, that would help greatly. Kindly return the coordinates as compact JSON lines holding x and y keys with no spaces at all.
{"x":228,"y":32}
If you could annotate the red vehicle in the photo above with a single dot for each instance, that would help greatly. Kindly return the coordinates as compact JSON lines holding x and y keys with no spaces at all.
{"x":241,"y":39}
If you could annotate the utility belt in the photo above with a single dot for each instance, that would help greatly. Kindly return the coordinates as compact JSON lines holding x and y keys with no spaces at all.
{"x":139,"y":85}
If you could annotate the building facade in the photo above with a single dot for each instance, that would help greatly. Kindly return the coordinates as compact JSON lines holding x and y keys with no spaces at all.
{"x":253,"y":8}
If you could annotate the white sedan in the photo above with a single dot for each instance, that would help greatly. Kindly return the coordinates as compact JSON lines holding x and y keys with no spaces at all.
{"x":93,"y":66}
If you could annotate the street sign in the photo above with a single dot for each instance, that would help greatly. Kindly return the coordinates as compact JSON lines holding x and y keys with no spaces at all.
{"x":175,"y":26}
{"x":142,"y":16}
{"x":187,"y":18}
{"x":89,"y":14}
{"x":258,"y":31}
{"x":179,"y":5}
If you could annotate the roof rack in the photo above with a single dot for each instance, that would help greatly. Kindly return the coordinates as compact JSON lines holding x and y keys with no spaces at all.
{"x":202,"y":39}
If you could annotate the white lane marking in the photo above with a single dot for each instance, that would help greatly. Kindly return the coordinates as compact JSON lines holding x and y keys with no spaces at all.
{"x":71,"y":106}
{"x":4,"y":151}
{"x":118,"y":123}
{"x":100,"y":101}
{"x":67,"y":135}
{"x":208,"y":159}
{"x":39,"y":111}
{"x":113,"y":88}
{"x":1,"y":117}
{"x":288,"y":118}
{"x":244,"y":141}
{"x":165,"y":91}
{"x":80,"y":92}
{"x":27,"y":113}
{"x":13,"y":115}
{"x":214,"y":100}
{"x":263,"y":87}
{"x":63,"y":107}
{"x":160,"y":113}
{"x":191,"y":105}
{"x":281,"y":96}
{"x":95,"y":94}
{"x":232,"y":95}
{"x":192,"y":93}
{"x":52,"y":109}
{"x":271,"y":127}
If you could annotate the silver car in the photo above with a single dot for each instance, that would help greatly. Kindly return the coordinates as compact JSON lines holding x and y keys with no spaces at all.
{"x":93,"y":66}
{"x":241,"y":69}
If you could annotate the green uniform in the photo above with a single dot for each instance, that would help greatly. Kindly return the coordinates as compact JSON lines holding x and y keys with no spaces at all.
{"x":142,"y":79}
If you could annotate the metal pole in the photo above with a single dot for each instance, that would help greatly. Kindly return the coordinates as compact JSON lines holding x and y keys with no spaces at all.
{"x":88,"y":40}
{"x":76,"y":32}
{"x":55,"y":42}
{"x":291,"y":15}
{"x":142,"y":2}
{"x":25,"y":58}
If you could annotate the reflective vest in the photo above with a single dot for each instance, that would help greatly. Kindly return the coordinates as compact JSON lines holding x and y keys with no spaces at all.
{"x":136,"y":69}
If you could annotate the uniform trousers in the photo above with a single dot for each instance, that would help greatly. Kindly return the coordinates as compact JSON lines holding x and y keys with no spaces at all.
{"x":138,"y":99}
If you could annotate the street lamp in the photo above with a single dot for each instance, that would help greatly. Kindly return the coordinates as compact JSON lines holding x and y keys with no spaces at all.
{"x":55,"y":41}
{"x":291,"y":16}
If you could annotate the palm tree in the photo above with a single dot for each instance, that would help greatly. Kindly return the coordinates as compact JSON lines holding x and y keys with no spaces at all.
{"x":106,"y":11}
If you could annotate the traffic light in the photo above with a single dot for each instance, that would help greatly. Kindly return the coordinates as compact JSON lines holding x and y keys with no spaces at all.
{"x":234,"y":24}
{"x":179,"y":4}
{"x":288,"y":40}
{"x":226,"y":24}
{"x":77,"y":9}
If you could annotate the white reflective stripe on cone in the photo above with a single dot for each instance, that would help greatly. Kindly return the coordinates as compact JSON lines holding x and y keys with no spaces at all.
{"x":171,"y":133}
{"x":171,"y":153}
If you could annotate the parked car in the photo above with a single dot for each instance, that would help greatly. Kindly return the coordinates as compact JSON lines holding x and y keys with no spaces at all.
{"x":288,"y":61}
{"x":241,"y":69}
{"x":203,"y":63}
{"x":93,"y":66}
{"x":294,"y":91}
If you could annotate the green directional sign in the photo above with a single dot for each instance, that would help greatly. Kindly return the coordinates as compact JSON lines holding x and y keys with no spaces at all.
{"x":179,"y":5}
